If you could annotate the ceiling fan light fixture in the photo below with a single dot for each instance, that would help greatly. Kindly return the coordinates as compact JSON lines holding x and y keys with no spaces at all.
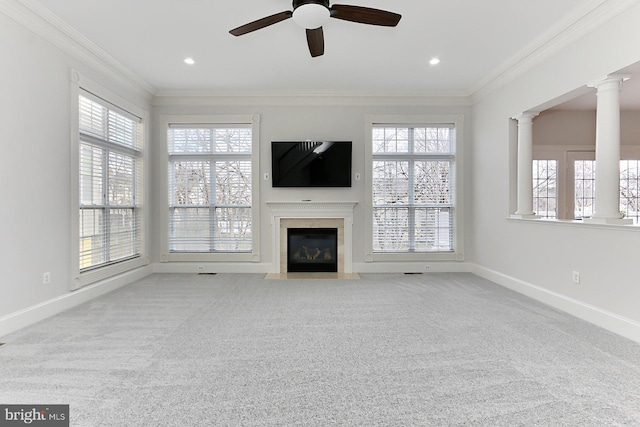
{"x":311,"y":15}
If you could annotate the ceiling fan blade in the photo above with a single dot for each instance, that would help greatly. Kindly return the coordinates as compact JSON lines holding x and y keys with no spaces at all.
{"x":365,"y":15}
{"x":261,"y":23}
{"x":315,"y":40}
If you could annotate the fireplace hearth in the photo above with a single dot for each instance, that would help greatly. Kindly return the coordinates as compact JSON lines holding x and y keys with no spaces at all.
{"x":312,"y":250}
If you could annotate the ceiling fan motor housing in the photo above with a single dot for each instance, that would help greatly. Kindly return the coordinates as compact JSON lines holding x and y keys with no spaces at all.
{"x":311,"y":14}
{"x":297,"y":3}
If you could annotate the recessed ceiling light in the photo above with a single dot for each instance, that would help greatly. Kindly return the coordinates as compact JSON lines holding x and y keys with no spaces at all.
{"x":434,"y":61}
{"x":189,"y":61}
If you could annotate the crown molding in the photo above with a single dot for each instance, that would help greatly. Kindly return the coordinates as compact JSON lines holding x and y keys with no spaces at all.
{"x":211,"y":98}
{"x":36,"y":18}
{"x":584,"y":19}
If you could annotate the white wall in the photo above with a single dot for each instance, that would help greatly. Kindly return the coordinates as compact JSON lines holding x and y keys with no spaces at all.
{"x":578,"y":127}
{"x":538,"y":257}
{"x":289,"y":120}
{"x":35,"y":173}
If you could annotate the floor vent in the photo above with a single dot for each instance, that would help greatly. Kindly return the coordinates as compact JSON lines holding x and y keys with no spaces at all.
{"x":207,"y":274}
{"x":412,"y":273}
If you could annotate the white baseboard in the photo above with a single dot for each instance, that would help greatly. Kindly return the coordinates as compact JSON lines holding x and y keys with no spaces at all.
{"x":613,"y":322}
{"x":358,"y":267}
{"x":411,"y":267}
{"x":211,"y":267}
{"x":38,"y":312}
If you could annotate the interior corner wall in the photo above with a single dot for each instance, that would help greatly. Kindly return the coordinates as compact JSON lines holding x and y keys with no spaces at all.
{"x":539,"y":257}
{"x":35,"y":174}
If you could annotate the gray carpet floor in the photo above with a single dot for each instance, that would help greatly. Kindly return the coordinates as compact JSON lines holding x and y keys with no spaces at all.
{"x":386,"y":350}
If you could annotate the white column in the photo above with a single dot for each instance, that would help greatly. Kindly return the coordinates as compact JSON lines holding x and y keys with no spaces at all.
{"x":607,"y":202}
{"x":524,"y":208}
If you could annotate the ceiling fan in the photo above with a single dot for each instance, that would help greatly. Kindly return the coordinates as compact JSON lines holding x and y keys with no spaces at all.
{"x":311,"y":14}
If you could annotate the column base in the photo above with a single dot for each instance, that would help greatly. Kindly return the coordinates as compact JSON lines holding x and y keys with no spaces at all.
{"x":612,"y":221}
{"x":524,"y":216}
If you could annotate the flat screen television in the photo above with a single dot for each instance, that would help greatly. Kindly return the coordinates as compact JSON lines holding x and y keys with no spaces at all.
{"x":311,"y":163}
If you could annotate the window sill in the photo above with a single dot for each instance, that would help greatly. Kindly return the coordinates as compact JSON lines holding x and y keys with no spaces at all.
{"x":576,"y":223}
{"x":414,"y":256}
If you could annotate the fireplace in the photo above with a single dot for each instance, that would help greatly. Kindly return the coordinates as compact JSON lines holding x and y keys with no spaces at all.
{"x":308,"y":214}
{"x":312,"y":250}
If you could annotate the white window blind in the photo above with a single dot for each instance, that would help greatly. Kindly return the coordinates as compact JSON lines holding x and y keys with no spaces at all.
{"x":210,"y":190}
{"x":110,"y":183}
{"x":413,"y":191}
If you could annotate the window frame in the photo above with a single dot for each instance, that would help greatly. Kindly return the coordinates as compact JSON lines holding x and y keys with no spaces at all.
{"x":251,"y":120}
{"x":457,"y":121}
{"x":570,"y":183}
{"x":81,"y":85}
{"x":565,"y":155}
{"x":546,"y":189}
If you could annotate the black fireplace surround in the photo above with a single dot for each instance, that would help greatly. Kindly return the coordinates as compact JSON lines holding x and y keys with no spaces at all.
{"x":312,"y":250}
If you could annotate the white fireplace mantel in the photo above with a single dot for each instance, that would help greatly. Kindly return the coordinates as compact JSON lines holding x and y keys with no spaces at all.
{"x":312,"y":210}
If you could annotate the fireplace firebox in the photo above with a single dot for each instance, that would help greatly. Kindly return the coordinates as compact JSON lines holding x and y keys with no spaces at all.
{"x":312,"y":250}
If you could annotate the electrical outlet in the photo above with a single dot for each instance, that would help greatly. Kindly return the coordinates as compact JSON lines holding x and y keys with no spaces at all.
{"x":46,"y":278}
{"x":427,"y":267}
{"x":575,"y":276}
{"x":201,"y":268}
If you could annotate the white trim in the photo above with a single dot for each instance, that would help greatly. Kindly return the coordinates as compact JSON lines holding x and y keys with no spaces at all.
{"x":458,"y":204}
{"x":296,"y":210}
{"x":425,"y":267}
{"x":165,"y":121}
{"x":613,"y":322}
{"x":576,"y":223}
{"x":38,"y":312}
{"x":205,"y":267}
{"x":565,"y":155}
{"x":78,"y":82}
{"x":369,"y":99}
{"x":107,"y":95}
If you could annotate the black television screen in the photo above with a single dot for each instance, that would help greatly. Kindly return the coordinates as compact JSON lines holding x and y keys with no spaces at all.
{"x":311,"y":163}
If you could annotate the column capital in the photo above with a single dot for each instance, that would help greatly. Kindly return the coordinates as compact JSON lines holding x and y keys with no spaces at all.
{"x":611,"y":78}
{"x":526,"y":115}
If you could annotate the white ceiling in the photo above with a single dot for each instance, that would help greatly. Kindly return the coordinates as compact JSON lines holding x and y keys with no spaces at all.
{"x":477,"y":41}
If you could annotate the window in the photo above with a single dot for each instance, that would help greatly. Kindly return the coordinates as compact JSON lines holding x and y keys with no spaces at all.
{"x":630,"y":189}
{"x":211,"y":189}
{"x":413,"y":195}
{"x":545,"y":197}
{"x":585,"y":191}
{"x":584,"y":181}
{"x":110,"y":183}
